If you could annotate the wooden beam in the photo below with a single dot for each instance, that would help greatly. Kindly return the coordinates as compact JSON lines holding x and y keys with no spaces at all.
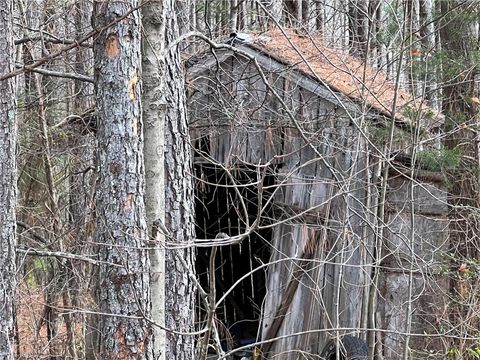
{"x":292,"y":286}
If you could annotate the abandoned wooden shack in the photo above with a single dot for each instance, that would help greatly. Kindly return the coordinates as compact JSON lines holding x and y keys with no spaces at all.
{"x":292,"y":147}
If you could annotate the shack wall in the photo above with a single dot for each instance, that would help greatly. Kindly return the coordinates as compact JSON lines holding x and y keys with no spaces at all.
{"x":416,"y":254}
{"x":330,"y":291}
{"x":325,"y":201}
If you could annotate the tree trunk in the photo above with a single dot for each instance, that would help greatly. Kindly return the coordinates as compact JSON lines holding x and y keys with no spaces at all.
{"x":82,"y":184}
{"x":430,"y":46}
{"x":293,"y":12}
{"x":179,"y":197}
{"x":153,"y":116}
{"x":183,"y":8}
{"x":414,"y":62}
{"x":358,"y":26}
{"x":459,"y":43}
{"x":308,"y":15}
{"x":7,"y":182}
{"x":319,"y":20}
{"x":274,"y":8}
{"x":124,"y":283}
{"x":233,"y":15}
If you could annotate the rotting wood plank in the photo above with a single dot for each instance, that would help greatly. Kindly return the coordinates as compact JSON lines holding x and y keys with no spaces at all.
{"x":291,"y":212}
{"x":428,"y":198}
{"x":419,"y":174}
{"x":430,"y":243}
{"x":307,"y":254}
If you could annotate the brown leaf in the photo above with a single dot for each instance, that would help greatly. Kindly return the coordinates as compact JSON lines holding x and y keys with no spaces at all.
{"x":415,"y":52}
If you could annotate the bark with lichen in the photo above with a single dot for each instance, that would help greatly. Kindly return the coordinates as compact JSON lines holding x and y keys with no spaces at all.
{"x":124,"y":281}
{"x":7,"y":182}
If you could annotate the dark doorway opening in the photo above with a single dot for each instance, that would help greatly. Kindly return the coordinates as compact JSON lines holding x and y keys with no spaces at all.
{"x":219,"y":209}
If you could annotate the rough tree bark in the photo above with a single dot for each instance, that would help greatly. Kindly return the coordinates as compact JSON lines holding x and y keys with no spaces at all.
{"x":179,"y":197}
{"x":124,"y":283}
{"x":7,"y":182}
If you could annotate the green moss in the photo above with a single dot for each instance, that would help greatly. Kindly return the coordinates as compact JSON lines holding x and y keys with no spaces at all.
{"x":39,"y":265}
{"x":381,"y":135}
{"x":439,"y":159}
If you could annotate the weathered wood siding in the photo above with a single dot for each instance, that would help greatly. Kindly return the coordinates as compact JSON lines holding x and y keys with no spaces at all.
{"x":425,"y":256}
{"x":325,"y":204}
{"x":235,"y":118}
{"x":330,"y":292}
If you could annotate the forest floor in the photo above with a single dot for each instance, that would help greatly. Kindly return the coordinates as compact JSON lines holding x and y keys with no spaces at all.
{"x":30,"y":307}
{"x":32,"y":329}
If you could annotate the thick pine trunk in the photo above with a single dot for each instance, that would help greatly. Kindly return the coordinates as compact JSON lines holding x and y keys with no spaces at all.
{"x":179,"y":198}
{"x":7,"y":182}
{"x":124,"y":283}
